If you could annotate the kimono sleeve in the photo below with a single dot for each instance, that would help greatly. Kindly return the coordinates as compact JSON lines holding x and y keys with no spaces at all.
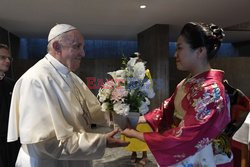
{"x":161,"y":117}
{"x":206,"y":116}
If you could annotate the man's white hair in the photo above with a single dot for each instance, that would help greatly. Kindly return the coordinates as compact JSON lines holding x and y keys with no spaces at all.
{"x":60,"y":38}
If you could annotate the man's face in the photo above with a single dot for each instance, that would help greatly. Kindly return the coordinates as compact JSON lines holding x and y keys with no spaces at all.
{"x":72,"y":50}
{"x":5,"y":60}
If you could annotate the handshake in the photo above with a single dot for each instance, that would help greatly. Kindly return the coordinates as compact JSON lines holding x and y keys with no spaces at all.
{"x":125,"y":126}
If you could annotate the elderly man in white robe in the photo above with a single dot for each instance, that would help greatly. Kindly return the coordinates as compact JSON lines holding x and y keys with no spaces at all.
{"x":52,"y":109}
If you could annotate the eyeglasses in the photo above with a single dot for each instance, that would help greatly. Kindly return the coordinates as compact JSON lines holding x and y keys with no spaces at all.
{"x":2,"y":58}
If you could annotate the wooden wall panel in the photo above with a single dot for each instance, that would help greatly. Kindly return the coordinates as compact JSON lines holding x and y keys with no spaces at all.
{"x":153,"y":46}
{"x":237,"y":72}
{"x":4,"y":36}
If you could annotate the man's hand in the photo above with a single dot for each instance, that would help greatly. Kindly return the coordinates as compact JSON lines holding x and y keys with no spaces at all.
{"x":142,"y":119}
{"x":112,"y":142}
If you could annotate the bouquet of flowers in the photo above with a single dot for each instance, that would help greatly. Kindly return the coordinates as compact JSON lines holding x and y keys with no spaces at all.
{"x":129,"y":90}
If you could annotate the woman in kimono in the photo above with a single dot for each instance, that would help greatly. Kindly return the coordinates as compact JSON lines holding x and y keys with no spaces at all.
{"x":186,"y":124}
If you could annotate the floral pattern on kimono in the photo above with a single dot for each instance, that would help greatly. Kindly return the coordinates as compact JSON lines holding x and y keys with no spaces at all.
{"x":206,"y":116}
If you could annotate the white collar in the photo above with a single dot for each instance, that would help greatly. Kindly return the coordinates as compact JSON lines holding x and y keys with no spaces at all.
{"x":2,"y":76}
{"x":58,"y":65}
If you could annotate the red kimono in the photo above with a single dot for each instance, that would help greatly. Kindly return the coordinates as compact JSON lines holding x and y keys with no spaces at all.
{"x":202,"y":106}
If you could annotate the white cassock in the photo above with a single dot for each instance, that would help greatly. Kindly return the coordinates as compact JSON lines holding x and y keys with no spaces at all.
{"x":51,"y":111}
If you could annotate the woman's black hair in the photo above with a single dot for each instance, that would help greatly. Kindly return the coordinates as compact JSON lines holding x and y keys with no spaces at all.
{"x":198,"y":35}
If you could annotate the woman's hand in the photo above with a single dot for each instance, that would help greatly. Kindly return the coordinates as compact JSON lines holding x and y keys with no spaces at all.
{"x":141,"y":120}
{"x":133,"y":134}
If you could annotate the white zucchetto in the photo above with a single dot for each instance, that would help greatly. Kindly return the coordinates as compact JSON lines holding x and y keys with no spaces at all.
{"x":59,"y":29}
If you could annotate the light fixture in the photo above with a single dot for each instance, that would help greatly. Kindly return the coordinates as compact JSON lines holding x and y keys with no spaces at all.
{"x":143,"y":6}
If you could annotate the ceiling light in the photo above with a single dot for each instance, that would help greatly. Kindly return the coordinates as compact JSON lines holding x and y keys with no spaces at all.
{"x":143,"y":6}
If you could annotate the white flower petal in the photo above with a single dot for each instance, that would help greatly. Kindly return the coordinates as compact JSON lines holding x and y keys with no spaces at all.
{"x":113,"y":74}
{"x":104,"y":107}
{"x":121,"y":108}
{"x":120,"y":73}
{"x":139,"y":71}
{"x":132,"y":61}
{"x":147,"y":101}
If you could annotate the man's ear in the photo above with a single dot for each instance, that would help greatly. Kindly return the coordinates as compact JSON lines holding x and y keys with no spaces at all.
{"x":56,"y":46}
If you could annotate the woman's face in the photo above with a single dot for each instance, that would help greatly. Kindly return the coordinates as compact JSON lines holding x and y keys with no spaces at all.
{"x":186,"y":58}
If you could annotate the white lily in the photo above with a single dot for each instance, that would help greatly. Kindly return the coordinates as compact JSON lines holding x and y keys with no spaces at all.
{"x":139,"y":71}
{"x":113,"y":74}
{"x":120,"y":73}
{"x":132,"y":61}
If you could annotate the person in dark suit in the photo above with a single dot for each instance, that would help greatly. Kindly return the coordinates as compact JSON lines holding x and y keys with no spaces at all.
{"x":8,"y":151}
